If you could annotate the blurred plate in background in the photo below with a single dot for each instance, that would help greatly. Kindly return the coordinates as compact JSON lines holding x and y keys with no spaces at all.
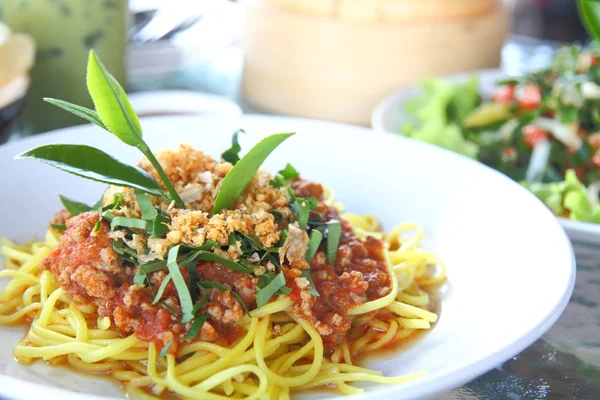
{"x":389,"y":115}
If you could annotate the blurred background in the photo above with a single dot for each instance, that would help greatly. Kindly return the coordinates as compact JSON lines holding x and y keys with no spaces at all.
{"x":200,"y":46}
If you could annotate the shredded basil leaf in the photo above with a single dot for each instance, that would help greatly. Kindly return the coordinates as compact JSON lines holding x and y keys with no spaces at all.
{"x":74,"y":207}
{"x":165,"y":349}
{"x":302,"y":208}
{"x":196,"y":326}
{"x":232,"y":154}
{"x":59,"y":227}
{"x":206,"y":256}
{"x":159,"y":225}
{"x":312,"y":289}
{"x":289,"y":172}
{"x":149,"y":213}
{"x":128,"y":223}
{"x":222,"y":288}
{"x":313,"y":244}
{"x":264,"y":295}
{"x":334,"y":232}
{"x":161,"y":288}
{"x":183,"y":292}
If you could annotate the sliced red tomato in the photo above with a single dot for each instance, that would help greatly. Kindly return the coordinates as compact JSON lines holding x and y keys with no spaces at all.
{"x":594,"y":140}
{"x":533,"y":134}
{"x":596,"y":159}
{"x":504,"y":94}
{"x":529,"y":97}
{"x":509,"y":153}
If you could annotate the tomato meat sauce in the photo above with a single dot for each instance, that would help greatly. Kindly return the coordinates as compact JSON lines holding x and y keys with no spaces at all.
{"x":90,"y":270}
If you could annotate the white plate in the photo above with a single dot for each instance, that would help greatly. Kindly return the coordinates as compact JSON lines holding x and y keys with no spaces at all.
{"x":510,"y":264}
{"x":389,"y":115}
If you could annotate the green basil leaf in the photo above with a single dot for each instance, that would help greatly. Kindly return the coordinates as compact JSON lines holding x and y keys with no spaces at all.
{"x":128,"y":223}
{"x":302,"y":208}
{"x":59,"y":227}
{"x":159,"y":225}
{"x":149,"y":213}
{"x":165,"y":350}
{"x":111,"y":103}
{"x":91,"y":163}
{"x":289,"y":172}
{"x":232,"y":154}
{"x":241,"y":174}
{"x":73,"y":207}
{"x":82,"y":112}
{"x":183,"y":292}
{"x":264,"y":295}
{"x":203,"y":300}
{"x":161,"y":288}
{"x":196,"y":326}
{"x":334,"y":233}
{"x":312,"y":290}
{"x":206,"y":256}
{"x":222,"y":288}
{"x":313,"y":244}
{"x":589,"y":11}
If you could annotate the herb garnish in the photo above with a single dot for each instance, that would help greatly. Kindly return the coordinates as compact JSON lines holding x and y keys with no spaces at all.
{"x":185,"y":299}
{"x":313,"y":245}
{"x":265,"y":294}
{"x":91,"y":163}
{"x":236,"y":180}
{"x":334,"y":231}
{"x":232,"y":154}
{"x":74,"y":207}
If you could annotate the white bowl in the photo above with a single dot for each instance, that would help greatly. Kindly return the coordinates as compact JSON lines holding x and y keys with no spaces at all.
{"x":389,"y":115}
{"x":510,"y":266}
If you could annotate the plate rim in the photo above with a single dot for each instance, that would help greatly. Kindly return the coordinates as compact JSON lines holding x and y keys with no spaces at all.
{"x":443,"y":384}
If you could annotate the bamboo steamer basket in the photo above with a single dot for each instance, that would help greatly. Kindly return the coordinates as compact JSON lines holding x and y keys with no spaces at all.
{"x":335,"y":59}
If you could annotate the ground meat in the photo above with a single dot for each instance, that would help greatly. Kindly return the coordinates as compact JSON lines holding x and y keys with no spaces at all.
{"x":359,"y":274}
{"x":243,"y":284}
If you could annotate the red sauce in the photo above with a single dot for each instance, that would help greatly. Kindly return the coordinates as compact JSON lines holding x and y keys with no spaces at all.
{"x":89,"y":269}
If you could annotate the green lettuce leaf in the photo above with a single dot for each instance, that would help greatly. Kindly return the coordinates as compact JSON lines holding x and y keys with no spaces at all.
{"x":569,"y":196}
{"x":438,"y":113}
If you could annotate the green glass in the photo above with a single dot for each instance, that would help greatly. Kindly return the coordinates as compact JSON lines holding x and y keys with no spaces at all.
{"x":65,"y":31}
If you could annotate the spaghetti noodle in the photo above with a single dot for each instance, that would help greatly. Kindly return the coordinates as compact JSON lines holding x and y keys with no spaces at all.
{"x":259,"y":365}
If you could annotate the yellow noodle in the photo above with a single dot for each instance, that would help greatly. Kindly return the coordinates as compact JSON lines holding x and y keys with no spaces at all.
{"x":258,"y":365}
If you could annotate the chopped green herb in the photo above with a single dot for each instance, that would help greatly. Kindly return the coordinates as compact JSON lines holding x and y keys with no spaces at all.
{"x":159,"y":225}
{"x":165,"y":350}
{"x":74,"y":207}
{"x":206,"y":256}
{"x":334,"y":232}
{"x":312,"y":290}
{"x":183,"y":292}
{"x":196,"y":326}
{"x":289,"y":172}
{"x":302,"y":207}
{"x":264,"y":295}
{"x":222,"y":288}
{"x":161,"y":288}
{"x":125,"y":222}
{"x":59,"y":227}
{"x":149,"y":213}
{"x":232,"y":154}
{"x":313,"y":244}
